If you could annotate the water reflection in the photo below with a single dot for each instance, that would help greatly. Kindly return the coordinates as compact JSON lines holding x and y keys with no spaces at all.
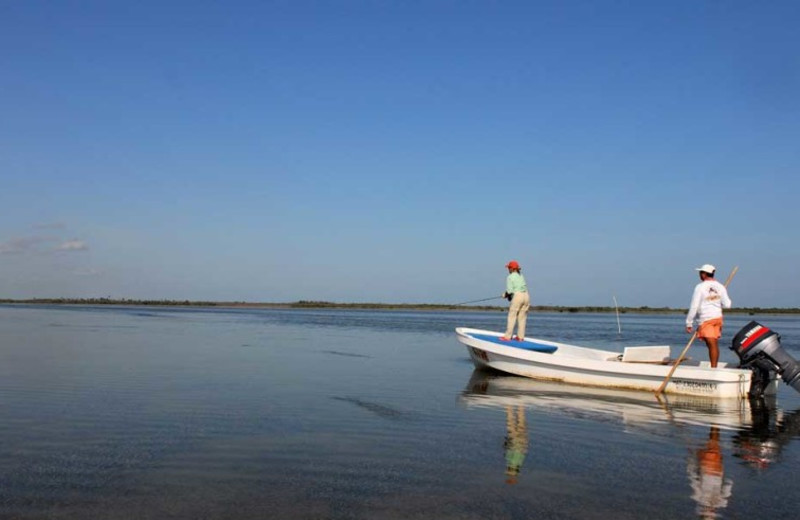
{"x":761,"y":445}
{"x":710,"y":488}
{"x":516,"y":442}
{"x":758,"y":430}
{"x":634,"y":410}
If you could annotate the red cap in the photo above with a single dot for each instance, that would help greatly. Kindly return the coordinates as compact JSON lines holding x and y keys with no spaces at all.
{"x":513,"y":264}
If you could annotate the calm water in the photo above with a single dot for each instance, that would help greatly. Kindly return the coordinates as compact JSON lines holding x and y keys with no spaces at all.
{"x":144,"y":413}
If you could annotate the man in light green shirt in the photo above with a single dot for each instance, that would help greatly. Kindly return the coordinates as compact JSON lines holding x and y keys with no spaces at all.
{"x":517,"y":293}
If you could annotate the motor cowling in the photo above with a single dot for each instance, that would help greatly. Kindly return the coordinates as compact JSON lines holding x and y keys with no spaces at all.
{"x":759,"y":348}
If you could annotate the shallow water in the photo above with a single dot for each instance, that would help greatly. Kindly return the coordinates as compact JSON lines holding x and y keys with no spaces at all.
{"x":111,"y":412}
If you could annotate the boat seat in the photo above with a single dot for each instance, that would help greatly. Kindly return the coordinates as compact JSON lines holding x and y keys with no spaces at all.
{"x":657,"y":354}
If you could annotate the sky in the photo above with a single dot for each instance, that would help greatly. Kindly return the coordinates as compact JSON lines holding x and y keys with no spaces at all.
{"x":399,"y":152}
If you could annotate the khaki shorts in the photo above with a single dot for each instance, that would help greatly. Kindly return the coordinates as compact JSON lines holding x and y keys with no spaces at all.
{"x":711,"y":329}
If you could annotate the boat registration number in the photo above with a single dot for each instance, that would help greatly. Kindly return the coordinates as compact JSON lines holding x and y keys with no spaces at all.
{"x":701,"y":386}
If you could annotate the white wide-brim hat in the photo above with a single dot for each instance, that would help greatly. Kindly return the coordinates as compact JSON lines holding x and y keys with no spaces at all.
{"x":706,"y":268}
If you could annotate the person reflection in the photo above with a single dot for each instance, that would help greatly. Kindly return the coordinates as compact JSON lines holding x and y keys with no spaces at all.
{"x":516,"y":442}
{"x":711,"y":490}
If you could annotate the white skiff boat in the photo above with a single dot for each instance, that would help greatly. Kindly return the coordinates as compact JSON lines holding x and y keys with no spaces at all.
{"x":637,"y":368}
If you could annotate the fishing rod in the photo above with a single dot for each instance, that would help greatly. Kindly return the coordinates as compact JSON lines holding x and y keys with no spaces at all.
{"x":483,"y":300}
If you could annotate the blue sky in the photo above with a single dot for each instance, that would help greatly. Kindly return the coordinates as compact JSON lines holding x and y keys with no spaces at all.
{"x":388,"y":151}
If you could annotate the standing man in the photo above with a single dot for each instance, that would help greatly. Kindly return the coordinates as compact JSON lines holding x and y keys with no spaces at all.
{"x":517,"y":294}
{"x":708,"y":300}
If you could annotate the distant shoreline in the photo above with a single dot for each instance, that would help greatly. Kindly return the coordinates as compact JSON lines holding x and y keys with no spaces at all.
{"x":304,"y":304}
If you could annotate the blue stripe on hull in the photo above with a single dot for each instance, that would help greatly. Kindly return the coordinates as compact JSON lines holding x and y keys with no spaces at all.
{"x":527,"y":345}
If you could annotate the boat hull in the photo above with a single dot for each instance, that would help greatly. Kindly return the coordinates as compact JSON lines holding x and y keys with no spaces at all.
{"x":594,"y":367}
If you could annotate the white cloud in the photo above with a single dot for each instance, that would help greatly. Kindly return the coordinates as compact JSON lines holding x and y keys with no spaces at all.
{"x":73,"y":245}
{"x":18,"y":246}
{"x":42,"y":244}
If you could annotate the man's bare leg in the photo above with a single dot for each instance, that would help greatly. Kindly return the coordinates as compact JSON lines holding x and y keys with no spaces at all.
{"x":713,"y":350}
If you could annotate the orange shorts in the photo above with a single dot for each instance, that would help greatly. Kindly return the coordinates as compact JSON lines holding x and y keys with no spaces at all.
{"x":711,"y":329}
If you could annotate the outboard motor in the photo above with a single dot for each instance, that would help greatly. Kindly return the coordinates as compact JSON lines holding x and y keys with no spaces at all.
{"x":759,"y":349}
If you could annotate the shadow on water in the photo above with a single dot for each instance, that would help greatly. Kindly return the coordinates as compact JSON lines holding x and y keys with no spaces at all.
{"x":345,"y":354}
{"x":761,"y":430}
{"x":380,"y":410}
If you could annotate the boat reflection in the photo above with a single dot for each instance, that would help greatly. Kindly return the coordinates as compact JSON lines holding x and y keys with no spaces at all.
{"x":635,"y":410}
{"x":757,"y":430}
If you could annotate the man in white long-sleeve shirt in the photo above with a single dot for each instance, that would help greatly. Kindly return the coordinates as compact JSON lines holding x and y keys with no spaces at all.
{"x":708,"y":300}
